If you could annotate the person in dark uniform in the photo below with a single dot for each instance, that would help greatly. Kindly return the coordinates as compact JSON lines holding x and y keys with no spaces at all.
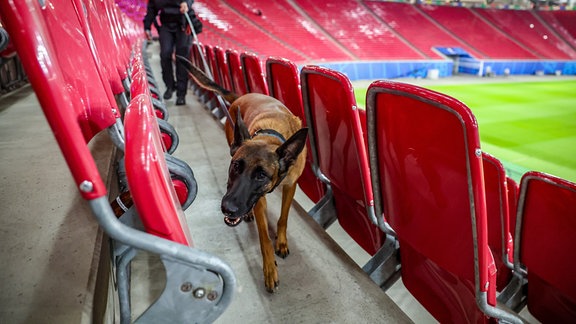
{"x":174,"y":35}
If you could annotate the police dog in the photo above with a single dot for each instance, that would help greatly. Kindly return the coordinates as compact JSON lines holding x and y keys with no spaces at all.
{"x":267,"y":148}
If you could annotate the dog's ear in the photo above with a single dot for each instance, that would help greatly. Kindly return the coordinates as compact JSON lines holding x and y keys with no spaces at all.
{"x":289,"y":151}
{"x":241,"y":133}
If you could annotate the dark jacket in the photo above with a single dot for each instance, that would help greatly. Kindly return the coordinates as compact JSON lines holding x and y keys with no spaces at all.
{"x":168,"y":10}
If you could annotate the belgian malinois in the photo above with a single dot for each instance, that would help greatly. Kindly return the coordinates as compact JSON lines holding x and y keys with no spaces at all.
{"x":266,"y":145}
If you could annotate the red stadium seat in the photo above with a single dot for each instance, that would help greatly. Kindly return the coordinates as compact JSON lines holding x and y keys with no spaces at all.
{"x":212,"y":99}
{"x":339,"y":152}
{"x":238,"y":82}
{"x":204,"y":58}
{"x":153,"y":194}
{"x":284,"y":85}
{"x":253,"y":73}
{"x":159,"y":107}
{"x":198,"y":57}
{"x":223,"y":70}
{"x":98,"y":27}
{"x":426,"y":168}
{"x":211,"y":59}
{"x":75,"y":112}
{"x":195,"y":55}
{"x":169,"y":136}
{"x":544,"y":246}
{"x":497,"y":208}
{"x":79,"y":64}
{"x":217,"y":105}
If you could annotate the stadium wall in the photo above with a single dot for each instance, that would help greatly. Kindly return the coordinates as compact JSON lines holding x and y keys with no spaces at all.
{"x":391,"y":69}
{"x":444,"y":68}
{"x":527,"y":67}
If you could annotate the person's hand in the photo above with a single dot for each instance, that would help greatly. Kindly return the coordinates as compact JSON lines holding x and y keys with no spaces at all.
{"x":184,"y":7}
{"x":148,"y":34}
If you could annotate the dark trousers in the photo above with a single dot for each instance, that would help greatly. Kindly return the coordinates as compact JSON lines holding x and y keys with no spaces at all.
{"x":172,"y":38}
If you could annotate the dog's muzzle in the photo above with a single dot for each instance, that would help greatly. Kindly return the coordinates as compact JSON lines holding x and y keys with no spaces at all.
{"x":232,"y":215}
{"x":232,"y":221}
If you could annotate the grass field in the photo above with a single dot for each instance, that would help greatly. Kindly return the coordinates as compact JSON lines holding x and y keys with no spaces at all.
{"x":527,"y":125}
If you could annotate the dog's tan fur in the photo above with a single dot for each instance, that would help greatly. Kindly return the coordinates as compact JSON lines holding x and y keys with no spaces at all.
{"x":266,"y":153}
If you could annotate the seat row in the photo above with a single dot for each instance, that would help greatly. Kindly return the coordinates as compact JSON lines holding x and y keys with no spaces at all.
{"x":407,"y":180}
{"x":85,"y":63}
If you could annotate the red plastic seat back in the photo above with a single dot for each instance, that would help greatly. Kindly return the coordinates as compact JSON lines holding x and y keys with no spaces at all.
{"x":223,"y":70}
{"x":211,"y":59}
{"x":195,"y":56}
{"x":120,"y":32}
{"x":339,"y":151}
{"x":200,"y":59}
{"x":253,"y":73}
{"x":98,"y":26}
{"x":499,"y":237}
{"x":284,"y":85}
{"x":546,"y":241}
{"x":62,"y":96}
{"x":148,"y":177}
{"x":79,"y":64}
{"x":426,"y":165}
{"x":236,"y":74}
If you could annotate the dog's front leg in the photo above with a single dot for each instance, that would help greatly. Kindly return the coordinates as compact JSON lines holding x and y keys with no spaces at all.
{"x":288,"y":192}
{"x":268,"y":259}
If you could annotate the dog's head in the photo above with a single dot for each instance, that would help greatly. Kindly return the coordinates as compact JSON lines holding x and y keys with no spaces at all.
{"x":256,"y":169}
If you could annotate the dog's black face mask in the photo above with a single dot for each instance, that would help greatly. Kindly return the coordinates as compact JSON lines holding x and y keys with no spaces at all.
{"x":253,"y":173}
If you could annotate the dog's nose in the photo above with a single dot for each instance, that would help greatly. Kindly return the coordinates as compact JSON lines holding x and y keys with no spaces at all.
{"x":228,"y":209}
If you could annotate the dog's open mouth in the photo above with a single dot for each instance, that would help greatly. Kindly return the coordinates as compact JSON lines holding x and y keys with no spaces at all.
{"x":232,"y":221}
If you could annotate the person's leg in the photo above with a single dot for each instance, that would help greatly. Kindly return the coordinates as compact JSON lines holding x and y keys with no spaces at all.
{"x":167,"y":40}
{"x":183,"y":45}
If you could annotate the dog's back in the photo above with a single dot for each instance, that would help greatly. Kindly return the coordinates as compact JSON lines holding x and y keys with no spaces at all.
{"x":262,"y":112}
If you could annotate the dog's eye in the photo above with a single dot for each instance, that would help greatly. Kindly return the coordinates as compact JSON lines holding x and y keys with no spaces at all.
{"x":236,"y":166}
{"x":261,"y":176}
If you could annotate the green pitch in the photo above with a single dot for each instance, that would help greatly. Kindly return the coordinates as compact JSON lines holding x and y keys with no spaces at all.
{"x":527,"y":125}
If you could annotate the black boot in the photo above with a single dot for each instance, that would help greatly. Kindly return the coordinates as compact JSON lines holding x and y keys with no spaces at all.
{"x":168,"y":93}
{"x":180,"y":101}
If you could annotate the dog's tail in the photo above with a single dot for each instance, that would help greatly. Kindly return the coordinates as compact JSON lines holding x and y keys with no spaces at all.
{"x":205,"y":82}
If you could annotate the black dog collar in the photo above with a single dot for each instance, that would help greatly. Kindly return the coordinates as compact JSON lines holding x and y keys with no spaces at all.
{"x":269,"y":132}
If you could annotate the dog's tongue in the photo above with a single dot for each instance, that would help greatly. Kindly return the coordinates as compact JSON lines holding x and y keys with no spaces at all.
{"x":232,"y":222}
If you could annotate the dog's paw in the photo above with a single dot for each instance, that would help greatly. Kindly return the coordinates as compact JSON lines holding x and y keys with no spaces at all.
{"x":249,"y":217}
{"x":282,"y":249}
{"x":271,"y":277}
